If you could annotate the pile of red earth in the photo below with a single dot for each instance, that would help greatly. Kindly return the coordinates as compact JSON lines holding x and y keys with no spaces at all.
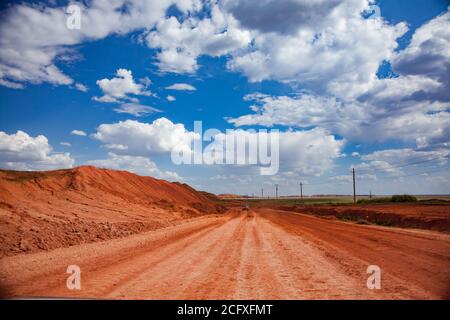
{"x":47,"y":210}
{"x":409,"y":215}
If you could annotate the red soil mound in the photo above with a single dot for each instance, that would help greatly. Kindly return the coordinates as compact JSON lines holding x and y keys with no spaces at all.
{"x":46,"y":210}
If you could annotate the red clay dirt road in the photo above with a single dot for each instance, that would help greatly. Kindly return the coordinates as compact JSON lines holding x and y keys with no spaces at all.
{"x":263,"y":254}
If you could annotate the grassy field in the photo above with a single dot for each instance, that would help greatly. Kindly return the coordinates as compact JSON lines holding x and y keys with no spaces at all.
{"x":292,"y":201}
{"x":341,"y":200}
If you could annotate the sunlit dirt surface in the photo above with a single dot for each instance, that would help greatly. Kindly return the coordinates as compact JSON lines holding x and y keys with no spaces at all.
{"x":260,"y":254}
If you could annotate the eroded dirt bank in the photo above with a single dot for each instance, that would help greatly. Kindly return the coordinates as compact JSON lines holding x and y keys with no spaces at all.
{"x":407,"y":215}
{"x":42,"y":211}
{"x":262,"y":254}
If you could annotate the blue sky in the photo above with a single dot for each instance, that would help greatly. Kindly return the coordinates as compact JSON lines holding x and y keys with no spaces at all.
{"x":343,"y":90}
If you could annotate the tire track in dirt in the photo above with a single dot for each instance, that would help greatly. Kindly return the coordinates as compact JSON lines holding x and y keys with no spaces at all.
{"x":415,"y":263}
{"x":261,"y":254}
{"x":184,"y":274}
{"x":99,"y":262}
{"x":305,"y":270}
{"x":256,"y":276}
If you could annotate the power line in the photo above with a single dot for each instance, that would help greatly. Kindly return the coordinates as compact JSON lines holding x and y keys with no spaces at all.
{"x":414,"y":174}
{"x":320,"y":183}
{"x":413,"y":158}
{"x":354,"y":181}
{"x":378,"y":178}
{"x":418,"y":156}
{"x":364,"y":171}
{"x":401,"y":166}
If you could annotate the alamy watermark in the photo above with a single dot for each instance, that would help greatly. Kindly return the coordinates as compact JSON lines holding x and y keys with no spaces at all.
{"x":234,"y":147}
{"x":374,"y":279}
{"x":73,"y":282}
{"x":73,"y":21}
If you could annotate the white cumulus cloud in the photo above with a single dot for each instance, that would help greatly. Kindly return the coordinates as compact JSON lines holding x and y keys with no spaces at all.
{"x":144,"y":139}
{"x":375,"y":119}
{"x":136,"y":164}
{"x":120,"y":87}
{"x":80,"y":133}
{"x":21,"y":151}
{"x":136,"y":109}
{"x":81,"y":87}
{"x":181,"y":87}
{"x":428,"y":56}
{"x":30,"y":52}
{"x":181,"y":43}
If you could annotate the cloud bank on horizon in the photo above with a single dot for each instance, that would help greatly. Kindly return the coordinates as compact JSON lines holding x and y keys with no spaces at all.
{"x":346,"y":88}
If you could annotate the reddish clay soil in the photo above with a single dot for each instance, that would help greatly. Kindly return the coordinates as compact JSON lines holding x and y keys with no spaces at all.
{"x":262,"y":254}
{"x":423,"y":216}
{"x":139,"y":237}
{"x":47,"y":210}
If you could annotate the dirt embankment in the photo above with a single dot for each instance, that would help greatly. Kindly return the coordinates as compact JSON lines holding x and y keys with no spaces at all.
{"x":261,"y":254}
{"x":422,"y":216}
{"x":47,"y":210}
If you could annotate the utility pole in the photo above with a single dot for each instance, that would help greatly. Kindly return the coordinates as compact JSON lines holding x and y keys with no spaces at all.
{"x":370,"y":195}
{"x":276,"y":191}
{"x":301,"y":191}
{"x":262,"y":192}
{"x":354,"y":187}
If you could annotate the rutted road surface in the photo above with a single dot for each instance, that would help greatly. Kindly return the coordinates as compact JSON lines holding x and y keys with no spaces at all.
{"x":263,"y":254}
